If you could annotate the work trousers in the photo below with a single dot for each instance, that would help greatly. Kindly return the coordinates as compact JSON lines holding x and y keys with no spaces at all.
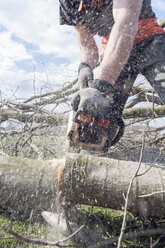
{"x":147,"y":58}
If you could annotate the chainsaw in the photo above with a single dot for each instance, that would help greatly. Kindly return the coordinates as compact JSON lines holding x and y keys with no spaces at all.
{"x":94,"y":131}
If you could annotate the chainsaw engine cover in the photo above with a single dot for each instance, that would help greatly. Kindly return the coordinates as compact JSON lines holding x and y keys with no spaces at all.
{"x":88,"y":130}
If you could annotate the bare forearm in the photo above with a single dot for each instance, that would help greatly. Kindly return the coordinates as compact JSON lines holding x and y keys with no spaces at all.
{"x":117,"y":52}
{"x":126,"y":15}
{"x":88,"y":48}
{"x":89,"y":56}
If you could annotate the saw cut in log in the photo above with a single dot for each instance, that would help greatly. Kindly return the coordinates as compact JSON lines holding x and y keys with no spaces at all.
{"x":32,"y":184}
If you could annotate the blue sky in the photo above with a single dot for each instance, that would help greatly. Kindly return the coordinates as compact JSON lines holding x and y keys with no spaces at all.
{"x":36,"y":52}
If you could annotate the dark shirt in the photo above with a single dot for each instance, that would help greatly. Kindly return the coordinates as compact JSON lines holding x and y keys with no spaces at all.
{"x":100,"y":19}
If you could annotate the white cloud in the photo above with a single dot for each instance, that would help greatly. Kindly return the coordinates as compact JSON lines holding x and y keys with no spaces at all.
{"x":159,"y":8}
{"x":37,"y":22}
{"x":45,"y":79}
{"x":159,"y":5}
{"x":11,"y":51}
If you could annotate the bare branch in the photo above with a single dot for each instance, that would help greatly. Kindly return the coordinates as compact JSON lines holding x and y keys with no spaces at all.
{"x":129,"y":235}
{"x":144,"y":112}
{"x":57,"y":97}
{"x":43,"y":243}
{"x":127,"y":197}
{"x":158,"y":240}
{"x":152,"y":194}
{"x":143,"y":97}
{"x":57,"y":92}
{"x":141,"y":174}
{"x":38,"y":118}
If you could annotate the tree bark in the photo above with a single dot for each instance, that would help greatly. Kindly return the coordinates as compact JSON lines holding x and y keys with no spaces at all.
{"x":31,"y":184}
{"x":28,"y":185}
{"x":54,"y":119}
{"x":144,"y":112}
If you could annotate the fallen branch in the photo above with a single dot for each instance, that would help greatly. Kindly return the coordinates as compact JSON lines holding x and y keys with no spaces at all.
{"x":151,"y":194}
{"x":162,"y":137}
{"x":143,"y":97}
{"x":129,"y":235}
{"x":144,"y":112}
{"x":37,"y":118}
{"x":44,"y":243}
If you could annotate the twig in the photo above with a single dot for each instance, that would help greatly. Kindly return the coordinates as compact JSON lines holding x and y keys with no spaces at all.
{"x":43,"y":243}
{"x":141,"y":174}
{"x":151,"y":194}
{"x":7,"y":238}
{"x":129,"y":188}
{"x":129,"y":235}
{"x":62,"y":96}
{"x":57,"y":92}
{"x":127,"y":196}
{"x":157,"y":139}
{"x":151,"y":242}
{"x":158,"y":240}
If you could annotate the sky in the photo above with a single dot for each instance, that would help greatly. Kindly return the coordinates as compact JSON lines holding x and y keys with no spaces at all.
{"x":36,"y":53}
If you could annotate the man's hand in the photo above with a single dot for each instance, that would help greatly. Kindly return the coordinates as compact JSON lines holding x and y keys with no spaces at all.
{"x":91,"y":99}
{"x":104,"y":87}
{"x":97,"y":97}
{"x":85,"y":74}
{"x":95,"y":103}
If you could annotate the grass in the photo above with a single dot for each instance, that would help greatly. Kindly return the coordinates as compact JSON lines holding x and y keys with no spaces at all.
{"x":36,"y":230}
{"x":112,"y":221}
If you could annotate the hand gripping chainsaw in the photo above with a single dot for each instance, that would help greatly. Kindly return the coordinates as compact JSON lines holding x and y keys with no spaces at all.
{"x":94,"y":131}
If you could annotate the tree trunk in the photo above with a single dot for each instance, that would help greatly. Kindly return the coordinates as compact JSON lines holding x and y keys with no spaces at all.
{"x":32,"y":184}
{"x":28,"y":185}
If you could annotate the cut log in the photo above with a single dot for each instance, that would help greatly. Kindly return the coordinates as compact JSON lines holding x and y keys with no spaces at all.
{"x":102,"y":182}
{"x":28,"y":185}
{"x":31,"y":184}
